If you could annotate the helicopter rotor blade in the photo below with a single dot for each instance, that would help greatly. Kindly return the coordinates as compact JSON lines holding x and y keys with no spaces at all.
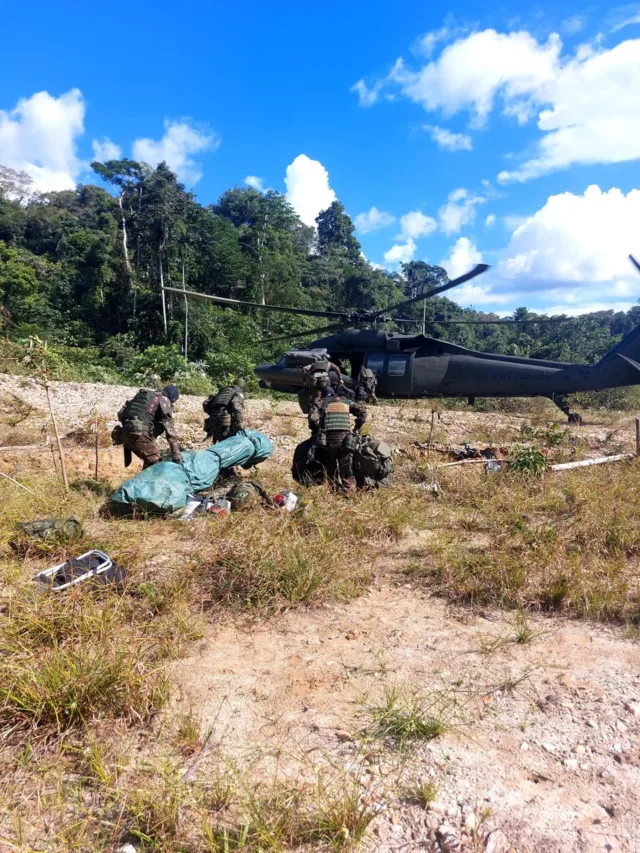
{"x":634,"y":262}
{"x":224,"y":300}
{"x":477,"y":270}
{"x":294,"y":336}
{"x":505,"y":322}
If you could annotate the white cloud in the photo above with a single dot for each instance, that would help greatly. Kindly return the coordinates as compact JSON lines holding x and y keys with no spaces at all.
{"x":593,"y":114}
{"x":462,"y":257}
{"x":106,"y":150}
{"x":587,"y":308}
{"x":574,"y":24}
{"x":471,"y":72}
{"x":587,"y":105}
{"x":367,"y":97}
{"x":255,"y":183}
{"x":625,"y":16}
{"x":447,"y":139}
{"x":490,"y":220}
{"x":372,"y":220}
{"x":182,"y":139}
{"x":308,"y":189}
{"x":460,"y":210}
{"x":38,"y":136}
{"x":401,"y":253}
{"x":415,"y":224}
{"x":578,"y":240}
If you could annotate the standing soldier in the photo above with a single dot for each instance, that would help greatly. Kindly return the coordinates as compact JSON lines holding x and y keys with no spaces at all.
{"x":366,"y":387}
{"x":334,"y":444}
{"x":225,"y":410}
{"x":144,"y":418}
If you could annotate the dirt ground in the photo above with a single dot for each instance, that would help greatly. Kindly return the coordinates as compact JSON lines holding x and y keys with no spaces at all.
{"x":543,"y":747}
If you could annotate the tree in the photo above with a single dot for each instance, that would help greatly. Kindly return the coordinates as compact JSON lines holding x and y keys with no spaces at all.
{"x":335,"y":231}
{"x":16,"y":186}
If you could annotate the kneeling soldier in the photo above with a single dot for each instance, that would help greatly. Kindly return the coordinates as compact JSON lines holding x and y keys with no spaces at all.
{"x":144,"y":418}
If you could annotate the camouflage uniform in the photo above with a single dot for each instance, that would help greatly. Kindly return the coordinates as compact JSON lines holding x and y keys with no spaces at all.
{"x":226,"y":412}
{"x":366,"y":387}
{"x":334,"y":444}
{"x":144,"y":418}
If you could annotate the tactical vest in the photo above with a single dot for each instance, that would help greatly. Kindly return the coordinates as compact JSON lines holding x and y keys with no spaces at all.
{"x":336,"y":416}
{"x":136,"y":412}
{"x":223,"y":398}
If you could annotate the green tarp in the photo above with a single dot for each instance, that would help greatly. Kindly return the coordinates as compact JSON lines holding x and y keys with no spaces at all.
{"x":164,"y":487}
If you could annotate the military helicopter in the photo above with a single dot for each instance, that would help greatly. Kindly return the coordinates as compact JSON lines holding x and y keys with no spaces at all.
{"x":416,"y":366}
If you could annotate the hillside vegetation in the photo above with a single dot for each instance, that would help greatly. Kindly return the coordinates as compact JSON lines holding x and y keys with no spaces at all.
{"x":82,"y":270}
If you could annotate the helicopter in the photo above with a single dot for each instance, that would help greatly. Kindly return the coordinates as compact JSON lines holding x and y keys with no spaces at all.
{"x":414,"y":366}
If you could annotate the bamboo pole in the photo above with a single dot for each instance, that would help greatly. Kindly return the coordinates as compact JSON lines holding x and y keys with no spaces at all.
{"x":57,"y":434}
{"x":15,"y":482}
{"x":97,"y":446}
{"x":601,"y":460}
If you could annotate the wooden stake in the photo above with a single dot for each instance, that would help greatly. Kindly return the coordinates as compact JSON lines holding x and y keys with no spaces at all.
{"x":57,"y":434}
{"x":433,"y":414}
{"x":637,"y":436}
{"x":97,"y":446}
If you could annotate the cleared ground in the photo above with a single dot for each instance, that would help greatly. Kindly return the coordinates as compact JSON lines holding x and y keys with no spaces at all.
{"x":402,"y":671}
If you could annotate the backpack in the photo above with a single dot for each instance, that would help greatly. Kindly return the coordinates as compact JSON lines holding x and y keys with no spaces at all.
{"x":373,"y":462}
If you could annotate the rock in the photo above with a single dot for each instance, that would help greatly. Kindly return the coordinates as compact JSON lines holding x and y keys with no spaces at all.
{"x":620,"y":726}
{"x":571,"y":764}
{"x":343,"y":736}
{"x":632,"y":708}
{"x":580,"y":749}
{"x":432,"y":822}
{"x":470,"y":821}
{"x":126,"y":848}
{"x":592,"y":724}
{"x":351,"y":635}
{"x":497,"y":842}
{"x":437,"y":808}
{"x":447,"y":838}
{"x":549,"y":747}
{"x":524,"y":746}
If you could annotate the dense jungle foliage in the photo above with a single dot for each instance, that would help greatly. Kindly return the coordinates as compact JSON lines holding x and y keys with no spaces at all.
{"x":82,"y":270}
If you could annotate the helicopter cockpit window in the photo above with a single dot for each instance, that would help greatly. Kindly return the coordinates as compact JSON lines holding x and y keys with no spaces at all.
{"x":397,"y":365}
{"x":375,"y":362}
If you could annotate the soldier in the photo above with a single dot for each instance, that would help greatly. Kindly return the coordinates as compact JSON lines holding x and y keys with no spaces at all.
{"x":366,"y":387}
{"x":145,"y":417}
{"x":333,"y":443}
{"x":225,"y":410}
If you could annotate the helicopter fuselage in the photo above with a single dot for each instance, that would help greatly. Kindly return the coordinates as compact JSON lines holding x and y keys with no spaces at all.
{"x":415,"y":366}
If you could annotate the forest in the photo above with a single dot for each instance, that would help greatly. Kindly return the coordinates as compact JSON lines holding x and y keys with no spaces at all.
{"x":83,"y":270}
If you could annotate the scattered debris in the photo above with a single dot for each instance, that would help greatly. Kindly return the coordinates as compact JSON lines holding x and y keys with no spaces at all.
{"x":493,"y":466}
{"x":94,"y":565}
{"x":286,"y":500}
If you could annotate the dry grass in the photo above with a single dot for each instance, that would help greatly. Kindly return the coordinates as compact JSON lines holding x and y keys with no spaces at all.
{"x":91,"y":764}
{"x":569,"y":541}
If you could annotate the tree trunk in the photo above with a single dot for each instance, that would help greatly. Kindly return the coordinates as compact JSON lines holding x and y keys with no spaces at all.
{"x":186,"y":319}
{"x":164,"y":301}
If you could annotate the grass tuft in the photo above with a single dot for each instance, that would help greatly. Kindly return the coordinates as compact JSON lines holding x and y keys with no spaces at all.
{"x":403,"y":718}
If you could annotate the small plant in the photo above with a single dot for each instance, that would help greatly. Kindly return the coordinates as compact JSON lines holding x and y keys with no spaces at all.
{"x":527,"y":460}
{"x":404,"y":719}
{"x":523,"y":633}
{"x":423,"y":793}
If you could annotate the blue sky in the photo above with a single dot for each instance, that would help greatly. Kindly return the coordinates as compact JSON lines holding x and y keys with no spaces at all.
{"x":510,"y":136}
